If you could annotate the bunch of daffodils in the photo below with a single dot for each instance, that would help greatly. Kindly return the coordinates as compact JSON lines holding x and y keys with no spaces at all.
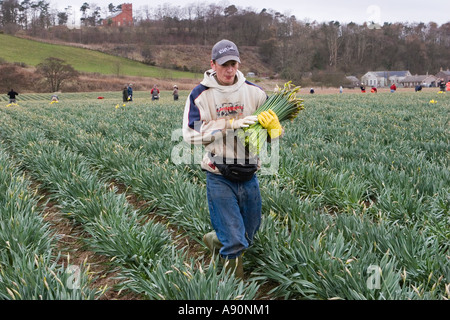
{"x":286,"y":105}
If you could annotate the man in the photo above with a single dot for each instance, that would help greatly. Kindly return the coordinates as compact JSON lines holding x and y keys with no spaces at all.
{"x":155,"y":92}
{"x":441,"y":85}
{"x":215,"y":110}
{"x":12,"y":96}
{"x":175,"y":92}
{"x":130,"y":92}
{"x":393,"y":88}
{"x":54,"y":98}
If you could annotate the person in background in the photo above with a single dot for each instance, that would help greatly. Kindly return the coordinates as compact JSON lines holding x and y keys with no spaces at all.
{"x":220,"y":106}
{"x":393,"y":88}
{"x":311,"y":91}
{"x":418,"y":88}
{"x":374,"y":90}
{"x":155,"y":92}
{"x":448,"y":86}
{"x":341,"y":89}
{"x":175,"y":92}
{"x":54,"y":98}
{"x":363,"y":88}
{"x":441,"y":85}
{"x":12,"y":96}
{"x":130,"y":92}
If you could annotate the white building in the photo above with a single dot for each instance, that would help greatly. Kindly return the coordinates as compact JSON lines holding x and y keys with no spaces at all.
{"x":423,"y":80}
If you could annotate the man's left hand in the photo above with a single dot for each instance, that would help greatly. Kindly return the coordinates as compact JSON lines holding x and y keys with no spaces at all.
{"x":269,"y":120}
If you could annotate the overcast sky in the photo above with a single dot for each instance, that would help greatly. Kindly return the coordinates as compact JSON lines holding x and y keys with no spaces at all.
{"x":358,"y":11}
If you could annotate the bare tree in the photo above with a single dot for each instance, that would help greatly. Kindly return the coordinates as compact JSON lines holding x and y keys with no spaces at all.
{"x":56,"y":71}
{"x":24,"y":9}
{"x":9,"y":13}
{"x":332,"y":32}
{"x":63,"y":17}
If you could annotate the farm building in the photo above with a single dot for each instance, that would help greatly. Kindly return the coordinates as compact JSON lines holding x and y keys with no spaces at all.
{"x":383,"y":78}
{"x":444,"y":75}
{"x":122,"y":18}
{"x":352,"y":82}
{"x":423,"y":80}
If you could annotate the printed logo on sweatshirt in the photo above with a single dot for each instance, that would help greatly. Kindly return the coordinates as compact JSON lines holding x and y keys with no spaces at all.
{"x":229,"y":109}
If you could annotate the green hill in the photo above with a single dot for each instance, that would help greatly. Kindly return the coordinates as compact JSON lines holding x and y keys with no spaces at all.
{"x":31,"y":52}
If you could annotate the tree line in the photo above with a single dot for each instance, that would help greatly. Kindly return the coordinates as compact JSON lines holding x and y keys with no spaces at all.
{"x":292,"y":48}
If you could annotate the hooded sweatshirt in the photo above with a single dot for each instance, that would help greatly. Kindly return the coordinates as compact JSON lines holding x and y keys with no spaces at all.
{"x":207,"y":115}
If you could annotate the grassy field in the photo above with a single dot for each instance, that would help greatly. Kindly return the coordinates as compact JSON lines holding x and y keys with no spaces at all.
{"x":358,"y":208}
{"x":32,"y":52}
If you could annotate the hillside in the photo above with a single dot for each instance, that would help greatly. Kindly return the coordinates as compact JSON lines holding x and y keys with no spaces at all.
{"x":194,"y":58}
{"x":98,"y":70}
{"x":32,"y":52}
{"x":109,"y":67}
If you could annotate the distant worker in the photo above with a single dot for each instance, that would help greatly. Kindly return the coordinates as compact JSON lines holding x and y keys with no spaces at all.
{"x":341,"y":89}
{"x":12,"y":96}
{"x":175,"y":92}
{"x":311,"y":90}
{"x":363,"y":89}
{"x":125,"y":93}
{"x":373,"y":90}
{"x":393,"y":88}
{"x":155,"y":93}
{"x":418,"y":88}
{"x":130,"y":92}
{"x":441,"y":85}
{"x":448,"y":86}
{"x":54,"y":98}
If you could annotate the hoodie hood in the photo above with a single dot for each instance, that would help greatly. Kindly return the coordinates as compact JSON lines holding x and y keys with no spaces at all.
{"x":210,"y":81}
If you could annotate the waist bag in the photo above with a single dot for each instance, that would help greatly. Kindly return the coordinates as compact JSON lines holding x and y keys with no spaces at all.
{"x":236,"y":172}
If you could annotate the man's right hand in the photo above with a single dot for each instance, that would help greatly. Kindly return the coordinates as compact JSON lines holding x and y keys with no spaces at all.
{"x":242,"y":123}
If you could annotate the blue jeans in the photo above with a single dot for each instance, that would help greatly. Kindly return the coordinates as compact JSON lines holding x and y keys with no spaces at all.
{"x":235,"y":211}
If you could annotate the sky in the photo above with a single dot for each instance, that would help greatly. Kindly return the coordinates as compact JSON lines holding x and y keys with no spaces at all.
{"x":358,"y":11}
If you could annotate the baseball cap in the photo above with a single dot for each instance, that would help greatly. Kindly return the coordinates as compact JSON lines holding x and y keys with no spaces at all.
{"x":224,"y":51}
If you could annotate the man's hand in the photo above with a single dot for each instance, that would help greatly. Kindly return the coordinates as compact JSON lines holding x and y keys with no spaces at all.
{"x":242,"y":123}
{"x":269,"y":120}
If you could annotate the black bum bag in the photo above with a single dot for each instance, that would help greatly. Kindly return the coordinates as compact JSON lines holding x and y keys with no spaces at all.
{"x":236,"y":172}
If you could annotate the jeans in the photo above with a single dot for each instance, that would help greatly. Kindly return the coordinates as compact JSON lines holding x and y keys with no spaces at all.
{"x":235,"y":211}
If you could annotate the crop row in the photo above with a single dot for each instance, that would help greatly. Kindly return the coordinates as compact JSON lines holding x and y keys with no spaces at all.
{"x":29,"y":267}
{"x":83,"y":97}
{"x":142,"y":248}
{"x":348,"y":195}
{"x":40,"y":97}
